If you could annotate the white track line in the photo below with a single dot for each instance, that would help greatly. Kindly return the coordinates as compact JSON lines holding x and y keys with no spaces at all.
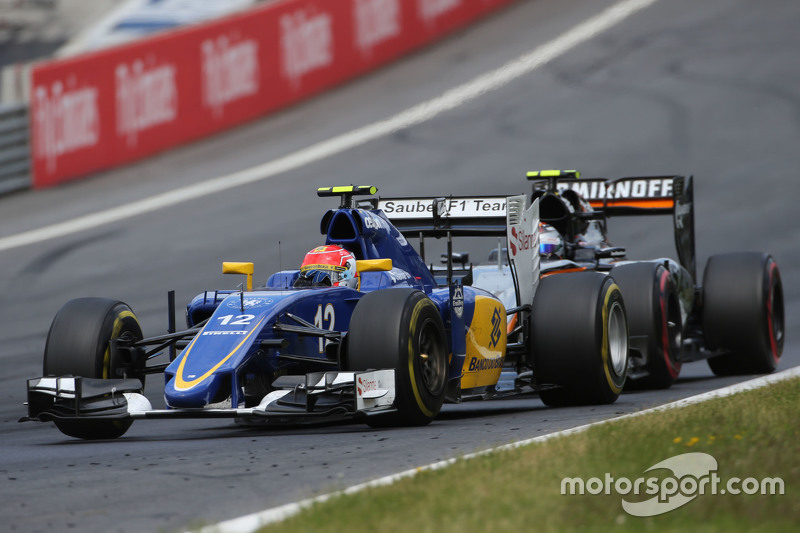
{"x":418,"y":114}
{"x":249,"y":523}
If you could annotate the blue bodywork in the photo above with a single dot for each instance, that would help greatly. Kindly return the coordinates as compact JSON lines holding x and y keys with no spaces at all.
{"x":248,"y":340}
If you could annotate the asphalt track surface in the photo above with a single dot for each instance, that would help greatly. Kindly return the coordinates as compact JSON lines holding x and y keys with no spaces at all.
{"x":711,"y":89}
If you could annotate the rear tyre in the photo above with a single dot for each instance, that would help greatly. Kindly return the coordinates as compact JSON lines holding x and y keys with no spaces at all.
{"x":79,"y":344}
{"x":743,"y":313}
{"x":402,"y":329}
{"x":654,"y":321}
{"x":580,"y":338}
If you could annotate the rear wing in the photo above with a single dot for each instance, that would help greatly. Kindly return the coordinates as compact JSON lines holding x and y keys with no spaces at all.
{"x":473,"y":216}
{"x":638,"y":195}
{"x":463,"y":216}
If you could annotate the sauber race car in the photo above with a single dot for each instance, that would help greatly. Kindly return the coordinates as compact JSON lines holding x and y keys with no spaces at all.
{"x":363,"y":330}
{"x":734,"y":318}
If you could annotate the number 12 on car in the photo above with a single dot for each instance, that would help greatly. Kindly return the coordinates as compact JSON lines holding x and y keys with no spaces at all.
{"x":324,"y":319}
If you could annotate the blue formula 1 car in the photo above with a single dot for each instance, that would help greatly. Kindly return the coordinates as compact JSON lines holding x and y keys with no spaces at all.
{"x":363,"y":330}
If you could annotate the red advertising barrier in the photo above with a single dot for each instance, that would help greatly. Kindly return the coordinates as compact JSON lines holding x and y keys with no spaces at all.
{"x":114,"y":106}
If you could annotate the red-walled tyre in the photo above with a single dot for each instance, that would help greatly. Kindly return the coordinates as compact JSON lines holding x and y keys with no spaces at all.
{"x":743,"y":312}
{"x":654,"y":321}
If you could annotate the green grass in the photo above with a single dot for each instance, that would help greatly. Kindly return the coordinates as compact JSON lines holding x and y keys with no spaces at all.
{"x":755,"y":434}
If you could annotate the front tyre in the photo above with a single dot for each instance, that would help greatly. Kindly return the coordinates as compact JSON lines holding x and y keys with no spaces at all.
{"x":402,"y":329}
{"x":79,"y":344}
{"x":580,"y":338}
{"x":743,"y":313}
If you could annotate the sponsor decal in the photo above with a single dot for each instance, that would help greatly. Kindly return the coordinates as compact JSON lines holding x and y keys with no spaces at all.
{"x":682,"y":211}
{"x":521,"y":240}
{"x":692,"y":474}
{"x":624,"y":189}
{"x":146,"y":97}
{"x":376,"y":21}
{"x":248,"y":302}
{"x":458,"y":300}
{"x":479,"y":365}
{"x":306,"y":42}
{"x":65,"y":120}
{"x":448,"y":208}
{"x":366,"y":385}
{"x":432,"y":9}
{"x":225,"y":332}
{"x":497,"y":321}
{"x":372,"y":221}
{"x":230,"y":71}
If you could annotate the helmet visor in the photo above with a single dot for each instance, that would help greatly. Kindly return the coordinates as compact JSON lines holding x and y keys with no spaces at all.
{"x":318,"y":278}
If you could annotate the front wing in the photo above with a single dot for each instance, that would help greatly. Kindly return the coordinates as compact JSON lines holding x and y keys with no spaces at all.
{"x":313,"y":397}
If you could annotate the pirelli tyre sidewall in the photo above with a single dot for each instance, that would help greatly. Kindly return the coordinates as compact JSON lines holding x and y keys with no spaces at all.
{"x":79,"y":344}
{"x":654,"y":320}
{"x":743,"y":312}
{"x":402,"y":329}
{"x":580,"y":338}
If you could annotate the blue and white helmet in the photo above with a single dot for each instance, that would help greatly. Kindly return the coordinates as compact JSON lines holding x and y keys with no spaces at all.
{"x":551,"y":245}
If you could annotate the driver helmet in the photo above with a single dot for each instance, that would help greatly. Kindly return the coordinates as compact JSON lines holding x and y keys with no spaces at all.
{"x":328,"y":266}
{"x":551,"y":245}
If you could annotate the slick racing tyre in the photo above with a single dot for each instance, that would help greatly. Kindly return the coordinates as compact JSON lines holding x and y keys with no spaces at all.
{"x":79,"y":344}
{"x":401,"y":329}
{"x":580,"y":338}
{"x":654,"y":321}
{"x":743,"y":312}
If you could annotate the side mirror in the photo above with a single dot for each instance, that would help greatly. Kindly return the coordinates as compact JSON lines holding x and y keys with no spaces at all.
{"x":233,"y":267}
{"x":373,"y":265}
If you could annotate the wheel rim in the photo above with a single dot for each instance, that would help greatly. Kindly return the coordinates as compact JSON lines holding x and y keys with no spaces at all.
{"x":617,"y":338}
{"x":432,"y":362}
{"x":674,"y":332}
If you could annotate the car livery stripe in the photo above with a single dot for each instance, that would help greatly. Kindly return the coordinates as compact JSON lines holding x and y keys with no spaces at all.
{"x":182,"y":384}
{"x":642,"y":204}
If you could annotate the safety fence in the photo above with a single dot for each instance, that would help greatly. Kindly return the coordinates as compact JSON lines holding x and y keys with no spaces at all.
{"x":15,"y":160}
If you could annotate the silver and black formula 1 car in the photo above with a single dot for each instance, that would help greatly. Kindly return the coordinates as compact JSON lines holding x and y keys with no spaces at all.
{"x":388,"y":347}
{"x":734,"y":318}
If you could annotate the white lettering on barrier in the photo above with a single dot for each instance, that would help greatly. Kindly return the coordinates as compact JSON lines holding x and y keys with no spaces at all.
{"x":65,"y":121}
{"x":307,"y":43}
{"x":431,"y":9}
{"x":145,"y":98}
{"x":230,"y":71}
{"x":375,"y":21}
